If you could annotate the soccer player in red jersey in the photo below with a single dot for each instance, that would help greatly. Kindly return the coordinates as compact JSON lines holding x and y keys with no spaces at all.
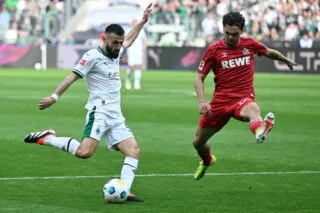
{"x":232,"y":61}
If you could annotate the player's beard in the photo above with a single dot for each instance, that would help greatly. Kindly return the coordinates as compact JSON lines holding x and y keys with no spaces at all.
{"x":111,"y":53}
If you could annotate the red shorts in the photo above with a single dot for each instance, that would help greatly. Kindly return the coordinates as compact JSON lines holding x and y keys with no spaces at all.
{"x":222,"y":110}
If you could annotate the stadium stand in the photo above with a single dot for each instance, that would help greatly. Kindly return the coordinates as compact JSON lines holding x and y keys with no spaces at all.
{"x":173,"y":22}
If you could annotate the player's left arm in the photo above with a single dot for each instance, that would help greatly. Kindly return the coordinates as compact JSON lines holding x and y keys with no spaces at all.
{"x":276,"y":55}
{"x":133,"y":34}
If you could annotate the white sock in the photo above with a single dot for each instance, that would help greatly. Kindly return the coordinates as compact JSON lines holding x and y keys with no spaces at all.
{"x":66,"y":144}
{"x":128,"y":171}
{"x":137,"y":78}
{"x":128,"y":76}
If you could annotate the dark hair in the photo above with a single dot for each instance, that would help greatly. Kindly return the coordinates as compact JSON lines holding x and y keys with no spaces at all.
{"x":234,"y":19}
{"x":114,"y":28}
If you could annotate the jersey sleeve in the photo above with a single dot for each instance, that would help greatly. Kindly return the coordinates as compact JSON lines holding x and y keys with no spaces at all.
{"x":84,"y":65}
{"x":259,"y":48}
{"x":206,"y":62}
{"x":122,"y":51}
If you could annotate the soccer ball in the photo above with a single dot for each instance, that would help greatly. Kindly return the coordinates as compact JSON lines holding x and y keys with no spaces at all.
{"x":115,"y":191}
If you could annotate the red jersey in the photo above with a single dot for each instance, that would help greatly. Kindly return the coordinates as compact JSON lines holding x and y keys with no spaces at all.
{"x":233,"y":67}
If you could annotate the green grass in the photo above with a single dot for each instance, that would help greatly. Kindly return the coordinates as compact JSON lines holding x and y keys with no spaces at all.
{"x":163,"y":117}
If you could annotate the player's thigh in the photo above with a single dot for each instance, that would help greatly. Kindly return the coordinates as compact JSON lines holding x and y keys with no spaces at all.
{"x":250,"y":111}
{"x":93,"y":131}
{"x":209,"y":125}
{"x":119,"y":134}
{"x":129,"y":147}
{"x":95,"y":124}
{"x":217,"y":120}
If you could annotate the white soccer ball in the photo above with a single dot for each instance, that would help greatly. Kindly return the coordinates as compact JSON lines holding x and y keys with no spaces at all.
{"x":115,"y":191}
{"x":37,"y":66}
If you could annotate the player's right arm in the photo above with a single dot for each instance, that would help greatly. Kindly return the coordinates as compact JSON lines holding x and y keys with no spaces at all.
{"x":46,"y":102}
{"x":204,"y":106}
{"x":203,"y":70}
{"x":81,"y":70}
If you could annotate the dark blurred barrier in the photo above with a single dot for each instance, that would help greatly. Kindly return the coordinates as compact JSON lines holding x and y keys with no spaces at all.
{"x":158,"y":58}
{"x":27,"y":56}
{"x":188,"y":58}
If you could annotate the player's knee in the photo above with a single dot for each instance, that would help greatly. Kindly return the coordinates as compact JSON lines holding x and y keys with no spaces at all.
{"x":197,"y":144}
{"x":84,"y":154}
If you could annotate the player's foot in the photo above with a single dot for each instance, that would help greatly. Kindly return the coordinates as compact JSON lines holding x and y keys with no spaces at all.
{"x":203,"y":168}
{"x":128,"y":85}
{"x":39,"y":137}
{"x":138,"y":86}
{"x":133,"y":198}
{"x":268,"y":122}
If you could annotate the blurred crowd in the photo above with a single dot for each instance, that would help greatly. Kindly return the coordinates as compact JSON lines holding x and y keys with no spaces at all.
{"x":174,"y":22}
{"x":30,"y":21}
{"x":286,"y":20}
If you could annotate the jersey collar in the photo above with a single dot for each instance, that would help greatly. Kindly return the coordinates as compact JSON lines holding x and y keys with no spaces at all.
{"x":101,"y":51}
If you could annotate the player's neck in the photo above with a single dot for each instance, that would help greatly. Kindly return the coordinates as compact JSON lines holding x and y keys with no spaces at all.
{"x":230,"y":45}
{"x":103,"y":50}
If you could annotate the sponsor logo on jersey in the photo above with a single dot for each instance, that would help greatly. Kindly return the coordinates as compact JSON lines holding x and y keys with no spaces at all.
{"x":114,"y":75}
{"x":201,"y":65}
{"x":82,"y":62}
{"x":235,"y":62}
{"x":224,"y":55}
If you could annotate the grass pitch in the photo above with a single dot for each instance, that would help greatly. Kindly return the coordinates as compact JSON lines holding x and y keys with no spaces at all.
{"x":280,"y":175}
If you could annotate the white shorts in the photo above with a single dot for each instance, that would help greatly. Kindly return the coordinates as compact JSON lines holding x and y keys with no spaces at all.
{"x":134,"y":58}
{"x":97,"y":126}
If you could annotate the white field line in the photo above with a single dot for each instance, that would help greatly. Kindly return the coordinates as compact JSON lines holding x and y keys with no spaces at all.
{"x":163,"y":175}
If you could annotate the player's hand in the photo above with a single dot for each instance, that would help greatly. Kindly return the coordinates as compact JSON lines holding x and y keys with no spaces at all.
{"x":291,"y":63}
{"x":46,"y":102}
{"x":146,"y":13}
{"x":205,"y":109}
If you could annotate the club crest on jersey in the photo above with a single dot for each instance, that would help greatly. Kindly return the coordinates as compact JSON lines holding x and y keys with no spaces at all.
{"x":82,"y":62}
{"x":245,"y":51}
{"x":201,"y":65}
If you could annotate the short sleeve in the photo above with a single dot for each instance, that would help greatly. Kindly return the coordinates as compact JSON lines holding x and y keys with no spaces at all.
{"x":206,"y":62}
{"x":85,"y":64}
{"x":259,"y":48}
{"x":122,"y":51}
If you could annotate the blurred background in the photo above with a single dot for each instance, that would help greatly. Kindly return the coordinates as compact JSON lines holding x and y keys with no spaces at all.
{"x":55,"y":33}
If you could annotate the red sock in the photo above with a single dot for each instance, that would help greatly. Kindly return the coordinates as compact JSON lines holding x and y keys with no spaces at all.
{"x":255,"y":125}
{"x":205,"y":155}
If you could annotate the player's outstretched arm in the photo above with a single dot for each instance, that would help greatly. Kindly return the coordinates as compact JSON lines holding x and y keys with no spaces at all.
{"x":204,"y":106}
{"x":276,"y":55}
{"x":133,"y":34}
{"x":46,"y":102}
